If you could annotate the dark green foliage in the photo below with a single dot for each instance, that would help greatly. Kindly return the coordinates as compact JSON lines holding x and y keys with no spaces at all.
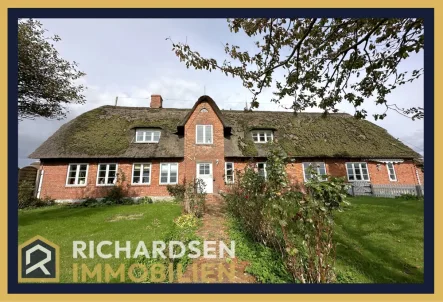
{"x":46,"y":82}
{"x":27,"y":200}
{"x":324,"y":61}
{"x":409,"y":197}
{"x":299,"y":226}
{"x":177,"y":191}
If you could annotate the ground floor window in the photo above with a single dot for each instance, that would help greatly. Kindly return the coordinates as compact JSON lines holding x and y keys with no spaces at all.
{"x":168,"y":173}
{"x":261,"y":167}
{"x":77,"y":175}
{"x":107,"y":174}
{"x":141,"y":174}
{"x":357,"y":171}
{"x":229,"y":172}
{"x":319,"y":167}
{"x":391,"y":171}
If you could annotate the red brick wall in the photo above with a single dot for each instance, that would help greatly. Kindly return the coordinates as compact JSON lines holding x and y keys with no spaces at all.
{"x":210,"y":153}
{"x":54,"y":179}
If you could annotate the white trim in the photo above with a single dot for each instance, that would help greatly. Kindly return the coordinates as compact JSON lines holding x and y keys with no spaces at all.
{"x":106,"y":175}
{"x":203,"y":162}
{"x":266,"y":132}
{"x":395,"y":161}
{"x":303,"y":168}
{"x":204,"y":135}
{"x":151,"y":141}
{"x":389,"y":173}
{"x":233,"y":174}
{"x":169,"y":174}
{"x":264,"y":168}
{"x":353,"y":170}
{"x":77,"y":172}
{"x":142,"y":165}
{"x":40,"y":183}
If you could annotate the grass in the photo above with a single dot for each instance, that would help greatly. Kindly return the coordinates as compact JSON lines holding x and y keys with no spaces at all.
{"x":63,"y":225}
{"x":380,"y":240}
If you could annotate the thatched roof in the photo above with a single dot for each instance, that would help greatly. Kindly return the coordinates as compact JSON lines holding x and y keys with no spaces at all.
{"x":109,"y":132}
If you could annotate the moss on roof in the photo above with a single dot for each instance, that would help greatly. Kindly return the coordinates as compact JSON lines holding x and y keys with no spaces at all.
{"x":109,"y":131}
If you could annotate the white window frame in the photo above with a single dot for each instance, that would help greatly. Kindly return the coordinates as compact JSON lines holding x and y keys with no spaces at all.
{"x":353,"y":170}
{"x":204,"y":135}
{"x":169,"y":174}
{"x":389,"y":173}
{"x":107,"y":174}
{"x":142,"y":165}
{"x":317,"y":168}
{"x":264,"y":167}
{"x":77,"y":172}
{"x":151,"y":140}
{"x":226,"y":172}
{"x":265,"y":132}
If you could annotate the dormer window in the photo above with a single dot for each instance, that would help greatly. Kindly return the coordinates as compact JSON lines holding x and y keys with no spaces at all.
{"x":262,"y":136}
{"x":147,"y":135}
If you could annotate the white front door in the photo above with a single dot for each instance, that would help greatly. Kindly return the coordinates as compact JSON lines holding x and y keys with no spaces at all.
{"x":204,"y":172}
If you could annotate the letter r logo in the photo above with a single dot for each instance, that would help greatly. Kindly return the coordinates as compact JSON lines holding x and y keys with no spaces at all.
{"x":38,"y":261}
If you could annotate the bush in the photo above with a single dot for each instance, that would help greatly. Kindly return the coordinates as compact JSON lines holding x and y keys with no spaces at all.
{"x":145,"y":200}
{"x":26,"y":197}
{"x":177,"y":191}
{"x":116,"y":195}
{"x":409,"y":197}
{"x":297,"y":225}
{"x":194,"y":198}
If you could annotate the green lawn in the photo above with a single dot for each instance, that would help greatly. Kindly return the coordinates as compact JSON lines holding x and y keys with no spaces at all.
{"x":380,"y":240}
{"x":63,"y":225}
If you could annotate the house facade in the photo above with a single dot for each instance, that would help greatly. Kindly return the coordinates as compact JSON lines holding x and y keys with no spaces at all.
{"x":147,"y":148}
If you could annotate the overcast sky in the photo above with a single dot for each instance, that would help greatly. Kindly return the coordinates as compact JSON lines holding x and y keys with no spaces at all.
{"x":132,"y":59}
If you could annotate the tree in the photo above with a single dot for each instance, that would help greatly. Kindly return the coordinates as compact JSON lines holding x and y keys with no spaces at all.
{"x":324,"y":61}
{"x":46,"y":82}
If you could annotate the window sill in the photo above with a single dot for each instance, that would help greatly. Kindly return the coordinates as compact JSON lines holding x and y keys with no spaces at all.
{"x":105,"y":185}
{"x":203,"y":144}
{"x":143,"y":184}
{"x":146,"y":142}
{"x":75,"y":186}
{"x":165,"y":184}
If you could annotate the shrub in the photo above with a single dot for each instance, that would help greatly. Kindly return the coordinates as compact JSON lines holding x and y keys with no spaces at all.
{"x":26,"y":197}
{"x":116,"y":195}
{"x":409,"y":197}
{"x":177,"y":191}
{"x":145,"y":200}
{"x":297,"y":225}
{"x":194,"y":198}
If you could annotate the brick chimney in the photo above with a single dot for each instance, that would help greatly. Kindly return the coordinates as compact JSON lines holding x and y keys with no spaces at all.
{"x":156,"y":101}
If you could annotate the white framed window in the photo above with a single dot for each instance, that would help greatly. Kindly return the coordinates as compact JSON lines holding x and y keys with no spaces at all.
{"x":77,"y":175}
{"x":357,"y":171}
{"x":147,"y":135}
{"x":391,"y":171}
{"x":229,"y":172}
{"x":319,"y":167}
{"x":262,"y":136}
{"x":168,"y":173}
{"x":261,"y":168}
{"x":141,"y":174}
{"x":203,"y":134}
{"x":106,"y":174}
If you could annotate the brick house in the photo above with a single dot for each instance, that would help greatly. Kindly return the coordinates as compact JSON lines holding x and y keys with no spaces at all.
{"x":147,"y":148}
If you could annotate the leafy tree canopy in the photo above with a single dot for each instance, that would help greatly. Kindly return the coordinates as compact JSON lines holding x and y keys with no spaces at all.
{"x":46,"y":82}
{"x":324,"y":61}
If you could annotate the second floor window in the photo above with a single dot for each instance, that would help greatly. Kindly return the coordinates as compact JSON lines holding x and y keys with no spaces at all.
{"x":204,"y":134}
{"x":262,"y":136}
{"x":147,"y":135}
